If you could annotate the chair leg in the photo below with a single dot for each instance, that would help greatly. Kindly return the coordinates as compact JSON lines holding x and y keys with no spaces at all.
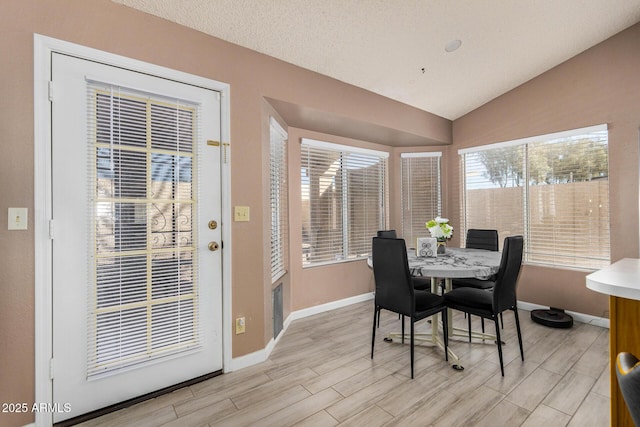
{"x":501,"y":321}
{"x":445,"y":333}
{"x":376,"y":313}
{"x":403,"y":328}
{"x":515,"y":312}
{"x":378,"y":310}
{"x":499,"y":341}
{"x":412,"y":321}
{"x":469,"y":322}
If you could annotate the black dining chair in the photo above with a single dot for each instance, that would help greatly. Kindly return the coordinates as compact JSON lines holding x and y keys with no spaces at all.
{"x":388,"y":234}
{"x":488,"y":304}
{"x":419,"y":282}
{"x":395,"y":291}
{"x":628,"y":374}
{"x":482,"y":239}
{"x":479,"y":239}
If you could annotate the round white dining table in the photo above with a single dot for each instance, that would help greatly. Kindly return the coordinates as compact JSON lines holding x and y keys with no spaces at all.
{"x":456,"y":263}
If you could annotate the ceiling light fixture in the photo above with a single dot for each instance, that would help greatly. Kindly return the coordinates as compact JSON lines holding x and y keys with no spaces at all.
{"x":452,"y":45}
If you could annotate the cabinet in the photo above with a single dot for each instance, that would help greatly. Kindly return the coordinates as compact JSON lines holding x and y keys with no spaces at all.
{"x":621,"y":281}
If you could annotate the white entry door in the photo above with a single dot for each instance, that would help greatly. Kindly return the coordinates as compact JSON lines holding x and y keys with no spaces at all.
{"x":137,"y":294}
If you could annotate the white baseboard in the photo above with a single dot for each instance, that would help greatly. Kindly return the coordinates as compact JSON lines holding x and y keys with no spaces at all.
{"x":262,"y":355}
{"x":246,"y":360}
{"x":305,"y":312}
{"x":579,"y":317}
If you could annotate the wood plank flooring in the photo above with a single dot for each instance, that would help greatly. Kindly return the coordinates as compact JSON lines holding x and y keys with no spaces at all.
{"x":321,"y":374}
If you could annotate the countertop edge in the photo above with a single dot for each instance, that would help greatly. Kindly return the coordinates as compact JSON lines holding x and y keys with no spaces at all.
{"x":620,"y":279}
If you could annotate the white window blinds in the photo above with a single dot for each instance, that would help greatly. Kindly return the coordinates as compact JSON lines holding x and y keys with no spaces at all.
{"x":557,"y":184}
{"x":421,"y":193}
{"x":279,"y":200}
{"x":343,"y":201}
{"x":143,"y":299}
{"x":494,"y":191}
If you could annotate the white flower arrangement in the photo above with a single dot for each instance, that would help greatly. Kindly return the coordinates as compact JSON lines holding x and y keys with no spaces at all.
{"x":440,"y":229}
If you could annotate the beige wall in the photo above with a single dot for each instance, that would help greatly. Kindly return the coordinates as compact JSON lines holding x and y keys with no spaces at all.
{"x":601,"y":85}
{"x":117,"y":29}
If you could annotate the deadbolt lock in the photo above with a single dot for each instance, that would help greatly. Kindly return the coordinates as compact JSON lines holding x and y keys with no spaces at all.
{"x":213,"y":246}
{"x":213,"y":224}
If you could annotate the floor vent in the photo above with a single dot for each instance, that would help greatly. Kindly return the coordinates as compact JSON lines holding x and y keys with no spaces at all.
{"x":277,"y":311}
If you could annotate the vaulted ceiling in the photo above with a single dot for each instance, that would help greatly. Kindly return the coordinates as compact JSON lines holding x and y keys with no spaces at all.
{"x":397,"y":48}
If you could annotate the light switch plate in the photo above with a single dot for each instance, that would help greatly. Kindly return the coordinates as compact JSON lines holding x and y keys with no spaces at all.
{"x":240,"y":325}
{"x":241,"y":213}
{"x":17,"y":219}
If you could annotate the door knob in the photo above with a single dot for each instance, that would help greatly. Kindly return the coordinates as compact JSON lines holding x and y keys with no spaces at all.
{"x":213,"y":246}
{"x":213,"y":224}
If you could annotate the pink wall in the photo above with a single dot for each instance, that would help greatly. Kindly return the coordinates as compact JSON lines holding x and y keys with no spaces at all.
{"x":107,"y":26}
{"x":601,"y":85}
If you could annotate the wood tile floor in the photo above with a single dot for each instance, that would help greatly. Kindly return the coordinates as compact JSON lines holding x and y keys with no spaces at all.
{"x":321,"y":374}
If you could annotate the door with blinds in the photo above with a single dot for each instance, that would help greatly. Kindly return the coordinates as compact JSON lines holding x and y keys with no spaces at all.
{"x":137,"y":295}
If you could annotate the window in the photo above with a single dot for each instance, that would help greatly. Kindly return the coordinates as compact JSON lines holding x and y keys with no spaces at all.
{"x":144,"y":301}
{"x":343,"y":201}
{"x":421,"y":193}
{"x":279,"y":199}
{"x":553,"y":189}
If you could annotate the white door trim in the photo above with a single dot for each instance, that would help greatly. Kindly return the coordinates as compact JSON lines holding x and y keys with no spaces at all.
{"x":43,"y":47}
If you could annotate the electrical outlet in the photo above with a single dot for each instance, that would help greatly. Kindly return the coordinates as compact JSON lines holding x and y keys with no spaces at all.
{"x":240,"y":325}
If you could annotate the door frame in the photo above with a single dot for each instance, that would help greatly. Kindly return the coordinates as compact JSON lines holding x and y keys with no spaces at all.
{"x":43,"y":48}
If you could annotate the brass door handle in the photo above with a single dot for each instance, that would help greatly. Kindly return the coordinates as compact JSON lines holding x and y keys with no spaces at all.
{"x":213,"y":246}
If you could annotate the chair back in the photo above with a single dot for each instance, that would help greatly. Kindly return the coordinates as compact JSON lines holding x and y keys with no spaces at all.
{"x":628,"y":375}
{"x":394,"y":289}
{"x":482,"y":239}
{"x":504,"y":290}
{"x":389,"y":234}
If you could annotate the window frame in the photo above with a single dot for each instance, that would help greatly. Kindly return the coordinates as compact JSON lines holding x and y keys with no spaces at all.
{"x":529,"y":144}
{"x":405,"y":160}
{"x":381,"y":182}
{"x":279,"y":199}
{"x":122,"y":228}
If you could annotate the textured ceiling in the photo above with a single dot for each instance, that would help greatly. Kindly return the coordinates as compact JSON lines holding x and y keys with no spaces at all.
{"x":396,"y":48}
